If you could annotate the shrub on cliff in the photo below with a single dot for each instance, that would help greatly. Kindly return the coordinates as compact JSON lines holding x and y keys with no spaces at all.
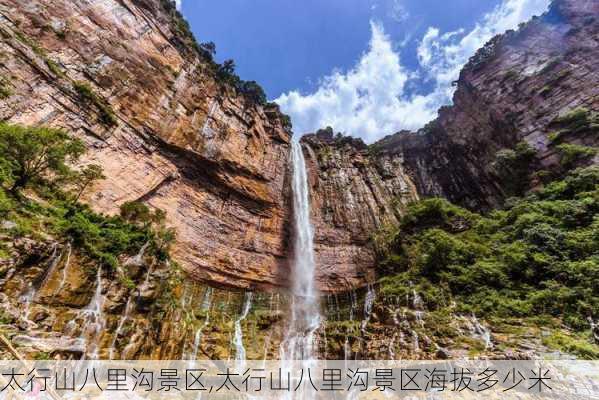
{"x":571,"y":154}
{"x":539,"y":256}
{"x":90,"y":98}
{"x":513,"y":167}
{"x":38,"y":158}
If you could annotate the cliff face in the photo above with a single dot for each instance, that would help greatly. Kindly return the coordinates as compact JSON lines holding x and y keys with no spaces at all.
{"x":124,"y":76}
{"x":524,"y":85}
{"x":538,"y":85}
{"x":121,"y":75}
{"x":353,"y":195}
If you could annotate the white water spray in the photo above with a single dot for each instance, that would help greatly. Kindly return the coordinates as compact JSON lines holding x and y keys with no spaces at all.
{"x":305,"y":307}
{"x":120,"y":326}
{"x":368,"y":303}
{"x":94,"y":320}
{"x":238,"y":339}
{"x":197,"y":340}
{"x":65,"y":270}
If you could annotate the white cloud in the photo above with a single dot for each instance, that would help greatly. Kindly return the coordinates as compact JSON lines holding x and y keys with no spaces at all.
{"x":178,"y":4}
{"x":370,"y":100}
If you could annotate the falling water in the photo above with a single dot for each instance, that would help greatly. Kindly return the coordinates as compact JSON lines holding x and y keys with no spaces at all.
{"x":206,"y":304}
{"x":65,"y":269}
{"x":138,"y":259}
{"x":238,"y":340}
{"x":482,"y":332}
{"x":305,"y":308}
{"x":120,"y":327}
{"x":368,"y":303}
{"x":26,"y":299}
{"x":52,"y":264}
{"x":94,"y":318}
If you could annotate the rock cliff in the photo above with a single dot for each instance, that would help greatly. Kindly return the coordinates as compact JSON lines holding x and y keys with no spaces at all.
{"x":127,"y":77}
{"x":124,"y":76}
{"x":537,"y":84}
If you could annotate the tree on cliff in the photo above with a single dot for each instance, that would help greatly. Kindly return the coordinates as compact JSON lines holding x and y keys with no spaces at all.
{"x":32,"y":154}
{"x":86,"y":177}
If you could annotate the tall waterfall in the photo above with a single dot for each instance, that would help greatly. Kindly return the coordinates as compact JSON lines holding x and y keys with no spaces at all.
{"x":305,"y":307}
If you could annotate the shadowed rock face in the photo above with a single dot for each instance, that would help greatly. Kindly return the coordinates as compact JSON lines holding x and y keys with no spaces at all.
{"x":166,"y":132}
{"x":513,"y":89}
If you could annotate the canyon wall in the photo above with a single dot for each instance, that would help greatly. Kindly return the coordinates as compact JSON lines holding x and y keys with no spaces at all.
{"x":538,"y":84}
{"x":353,"y":195}
{"x":525,"y":85}
{"x":124,"y":76}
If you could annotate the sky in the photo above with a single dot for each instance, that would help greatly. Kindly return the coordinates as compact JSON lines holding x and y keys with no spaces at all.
{"x":367,"y":68}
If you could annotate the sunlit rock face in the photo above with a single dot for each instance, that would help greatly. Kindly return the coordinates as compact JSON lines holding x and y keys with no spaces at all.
{"x":354,"y":193}
{"x":218,"y":164}
{"x":178,"y":140}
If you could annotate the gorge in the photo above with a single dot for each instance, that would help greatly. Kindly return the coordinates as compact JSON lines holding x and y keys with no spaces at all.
{"x":281,"y":248}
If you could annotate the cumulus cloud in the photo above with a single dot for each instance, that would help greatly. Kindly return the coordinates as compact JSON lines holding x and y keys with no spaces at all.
{"x":370,"y":100}
{"x":178,"y":4}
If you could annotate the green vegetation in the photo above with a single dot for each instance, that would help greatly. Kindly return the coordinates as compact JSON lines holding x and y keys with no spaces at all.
{"x":5,"y":90}
{"x":34,"y":154}
{"x":571,"y":154}
{"x":513,"y":167}
{"x":573,"y":344}
{"x":577,"y":121}
{"x":88,"y":96}
{"x":55,"y":68}
{"x":39,"y":193}
{"x":537,"y":257}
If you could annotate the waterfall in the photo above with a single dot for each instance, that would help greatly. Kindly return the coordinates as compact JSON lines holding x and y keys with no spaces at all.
{"x":368,"y":303}
{"x":65,"y":269}
{"x":197,"y":340}
{"x":482,"y":332}
{"x":138,"y":259}
{"x":94,"y":318}
{"x":305,"y":308}
{"x":119,"y":327}
{"x":238,"y":339}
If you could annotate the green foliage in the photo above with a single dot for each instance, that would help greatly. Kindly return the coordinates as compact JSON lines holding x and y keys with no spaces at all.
{"x":135,"y":212}
{"x":571,"y":344}
{"x":6,"y":203}
{"x":5,"y":90}
{"x":571,"y":154}
{"x":55,"y":68}
{"x":286,"y":121}
{"x":40,"y":155}
{"x":539,"y":256}
{"x":252,"y":91}
{"x":576,"y":118}
{"x":42,"y":356}
{"x":85,"y":177}
{"x":91,"y":99}
{"x":31,"y":154}
{"x":513,"y":167}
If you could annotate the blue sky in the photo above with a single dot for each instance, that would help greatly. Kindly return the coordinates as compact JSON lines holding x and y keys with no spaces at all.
{"x":366,"y":67}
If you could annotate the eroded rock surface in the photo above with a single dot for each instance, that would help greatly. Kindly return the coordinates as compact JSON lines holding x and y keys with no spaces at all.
{"x":515,"y":88}
{"x":163,"y":128}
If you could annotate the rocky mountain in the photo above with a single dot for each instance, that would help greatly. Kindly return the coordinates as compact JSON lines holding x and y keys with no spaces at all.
{"x":123,"y":76}
{"x":173,"y":131}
